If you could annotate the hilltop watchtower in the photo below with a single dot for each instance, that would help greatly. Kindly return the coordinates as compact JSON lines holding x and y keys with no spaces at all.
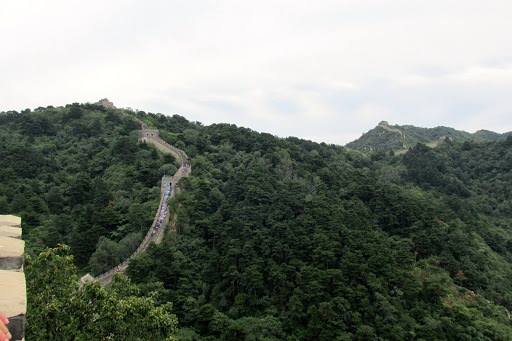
{"x":105,"y":103}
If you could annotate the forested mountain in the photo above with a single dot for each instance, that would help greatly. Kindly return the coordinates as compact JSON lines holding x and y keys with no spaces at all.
{"x":286,"y":239}
{"x":76,"y":175}
{"x":385,"y":137}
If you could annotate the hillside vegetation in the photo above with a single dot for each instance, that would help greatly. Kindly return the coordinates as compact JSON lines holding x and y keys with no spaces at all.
{"x":286,"y":239}
{"x":291,"y":239}
{"x":384,"y":137}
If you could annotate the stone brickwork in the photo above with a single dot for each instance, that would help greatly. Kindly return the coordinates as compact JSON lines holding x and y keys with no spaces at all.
{"x":13,"y":296}
{"x":105,"y":103}
{"x":148,"y":133}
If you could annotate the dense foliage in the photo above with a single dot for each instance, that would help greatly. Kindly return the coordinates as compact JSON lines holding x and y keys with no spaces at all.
{"x":77,"y":174}
{"x":384,"y":138}
{"x":58,"y":310}
{"x":289,"y":239}
{"x":286,"y":239}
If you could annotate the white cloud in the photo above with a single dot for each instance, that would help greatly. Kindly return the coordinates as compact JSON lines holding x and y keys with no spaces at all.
{"x":327,"y":70}
{"x":480,"y":75}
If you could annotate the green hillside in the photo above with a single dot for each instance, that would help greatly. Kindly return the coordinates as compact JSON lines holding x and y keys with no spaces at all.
{"x":487,"y":135}
{"x":384,"y":137}
{"x":294,"y":239}
{"x":287,"y":239}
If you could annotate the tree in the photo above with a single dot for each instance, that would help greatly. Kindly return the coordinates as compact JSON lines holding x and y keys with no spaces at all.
{"x":59,"y":310}
{"x":105,"y":257}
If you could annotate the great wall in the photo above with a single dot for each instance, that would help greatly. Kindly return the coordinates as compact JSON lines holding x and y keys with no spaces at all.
{"x":154,"y":234}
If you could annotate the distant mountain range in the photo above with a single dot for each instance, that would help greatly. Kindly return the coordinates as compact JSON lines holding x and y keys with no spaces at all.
{"x":385,"y":137}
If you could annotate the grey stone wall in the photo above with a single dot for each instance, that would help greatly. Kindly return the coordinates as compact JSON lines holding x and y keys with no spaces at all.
{"x":13,"y":295}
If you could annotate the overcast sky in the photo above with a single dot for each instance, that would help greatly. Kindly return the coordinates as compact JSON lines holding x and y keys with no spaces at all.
{"x":321,"y":70}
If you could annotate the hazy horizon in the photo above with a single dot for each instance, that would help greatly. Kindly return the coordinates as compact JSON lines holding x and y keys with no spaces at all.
{"x":326,"y":72}
{"x":262,"y":131}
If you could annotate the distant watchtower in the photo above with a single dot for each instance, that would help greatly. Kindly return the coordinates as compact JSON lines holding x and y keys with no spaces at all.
{"x":145,"y":134}
{"x":105,"y":103}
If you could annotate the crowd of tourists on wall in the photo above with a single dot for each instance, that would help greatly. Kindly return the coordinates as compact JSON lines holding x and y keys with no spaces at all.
{"x":161,"y":216}
{"x":164,"y":210}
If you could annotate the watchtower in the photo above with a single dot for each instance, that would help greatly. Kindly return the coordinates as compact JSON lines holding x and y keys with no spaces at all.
{"x":148,"y":133}
{"x":105,"y":103}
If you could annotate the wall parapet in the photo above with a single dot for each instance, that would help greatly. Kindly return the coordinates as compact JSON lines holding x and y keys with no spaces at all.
{"x":13,"y":296}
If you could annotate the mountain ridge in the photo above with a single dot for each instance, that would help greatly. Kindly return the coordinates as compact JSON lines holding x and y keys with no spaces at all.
{"x":285,"y":238}
{"x":398,"y":138}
